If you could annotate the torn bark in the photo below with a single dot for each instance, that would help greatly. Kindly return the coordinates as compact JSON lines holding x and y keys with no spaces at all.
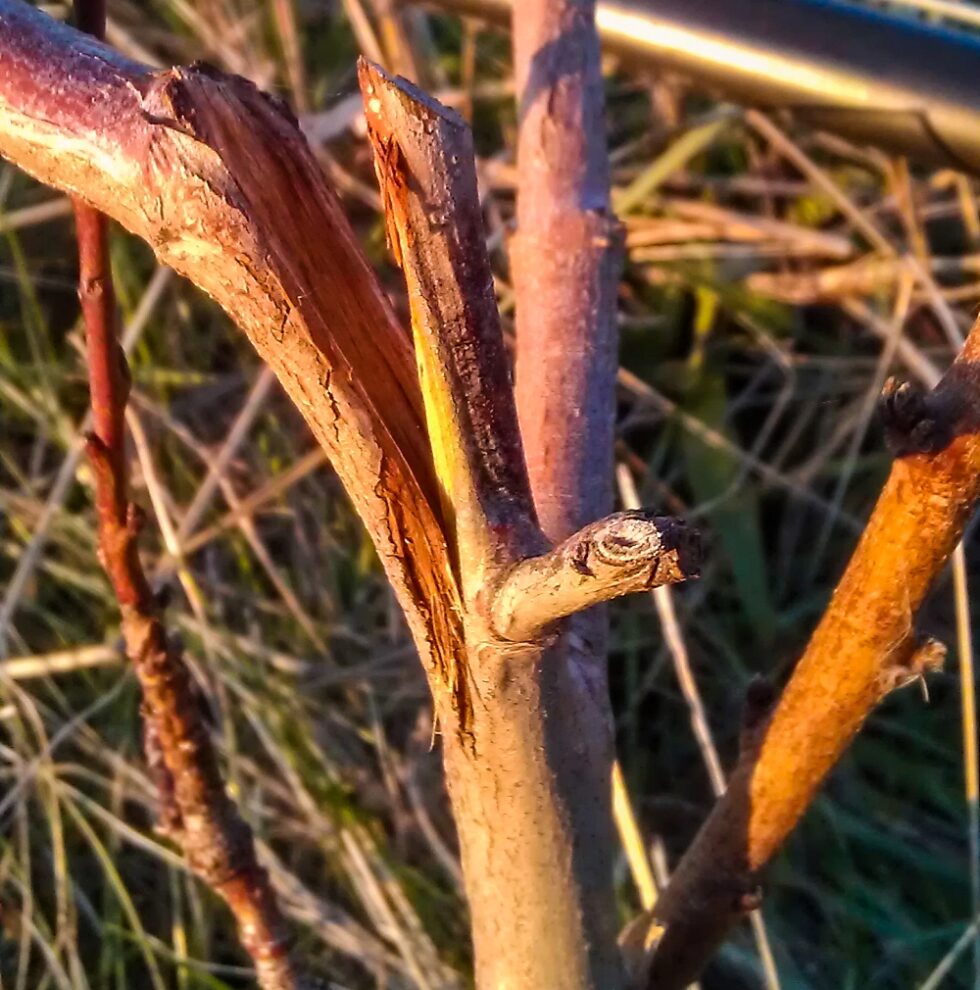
{"x":619,"y":555}
{"x":864,"y":646}
{"x":426,"y":170}
{"x":166,"y":154}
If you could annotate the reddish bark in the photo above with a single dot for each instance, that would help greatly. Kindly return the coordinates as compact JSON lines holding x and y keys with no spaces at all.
{"x":195,"y":810}
{"x":564,"y":264}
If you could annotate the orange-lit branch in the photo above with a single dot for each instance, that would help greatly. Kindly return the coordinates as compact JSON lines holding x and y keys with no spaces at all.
{"x":864,"y":646}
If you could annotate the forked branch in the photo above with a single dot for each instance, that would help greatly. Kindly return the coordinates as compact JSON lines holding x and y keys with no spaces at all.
{"x":424,"y":160}
{"x":535,"y":777}
{"x":619,"y":555}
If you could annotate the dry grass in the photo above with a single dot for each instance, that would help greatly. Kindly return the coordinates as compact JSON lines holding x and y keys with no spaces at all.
{"x":774,"y":278}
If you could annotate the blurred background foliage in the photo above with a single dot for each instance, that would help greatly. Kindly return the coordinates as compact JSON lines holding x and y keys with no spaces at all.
{"x":773,"y":278}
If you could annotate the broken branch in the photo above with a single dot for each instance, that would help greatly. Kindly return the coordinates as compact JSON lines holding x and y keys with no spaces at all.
{"x":619,"y":555}
{"x":167,"y":155}
{"x":426,"y":170}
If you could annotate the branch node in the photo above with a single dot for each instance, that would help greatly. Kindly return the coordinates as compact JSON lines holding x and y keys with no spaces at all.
{"x":922,"y":657}
{"x":915,"y":421}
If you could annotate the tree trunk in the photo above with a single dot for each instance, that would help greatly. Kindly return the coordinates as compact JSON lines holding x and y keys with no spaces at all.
{"x":564,"y":264}
{"x":427,"y":444}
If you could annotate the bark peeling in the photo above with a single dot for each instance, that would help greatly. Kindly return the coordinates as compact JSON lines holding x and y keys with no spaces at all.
{"x":167,"y":156}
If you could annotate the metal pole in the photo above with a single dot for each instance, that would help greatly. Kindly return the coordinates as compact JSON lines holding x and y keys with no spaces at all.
{"x":872,"y":77}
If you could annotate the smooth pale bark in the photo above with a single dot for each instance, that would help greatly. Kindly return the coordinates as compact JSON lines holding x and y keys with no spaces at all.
{"x":564,"y":264}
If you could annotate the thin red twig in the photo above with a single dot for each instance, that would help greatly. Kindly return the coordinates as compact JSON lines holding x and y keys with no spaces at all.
{"x":195,"y":809}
